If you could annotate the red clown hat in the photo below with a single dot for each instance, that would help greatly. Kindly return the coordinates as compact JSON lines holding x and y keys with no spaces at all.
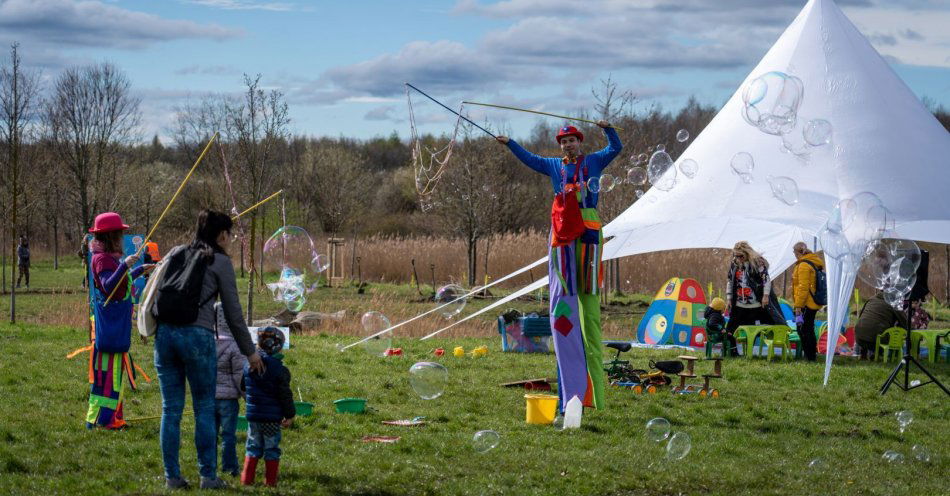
{"x":569,"y":131}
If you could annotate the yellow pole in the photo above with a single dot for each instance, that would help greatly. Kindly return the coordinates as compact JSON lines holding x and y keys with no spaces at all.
{"x":167,"y":207}
{"x":505,"y":107}
{"x":252,"y":207}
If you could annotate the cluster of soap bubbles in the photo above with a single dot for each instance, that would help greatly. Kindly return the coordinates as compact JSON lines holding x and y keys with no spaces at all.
{"x":605,"y":183}
{"x":771,"y":103}
{"x":451,"y":300}
{"x":428,"y":379}
{"x":679,"y":444}
{"x":919,"y":452}
{"x":658,"y":168}
{"x":374,"y":323}
{"x":856,"y":234}
{"x":290,"y":250}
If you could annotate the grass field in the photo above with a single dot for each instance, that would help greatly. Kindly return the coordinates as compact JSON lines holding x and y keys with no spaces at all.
{"x":758,"y":438}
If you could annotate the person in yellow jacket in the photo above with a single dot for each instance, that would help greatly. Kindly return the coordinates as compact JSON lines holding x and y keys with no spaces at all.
{"x":804,"y":286}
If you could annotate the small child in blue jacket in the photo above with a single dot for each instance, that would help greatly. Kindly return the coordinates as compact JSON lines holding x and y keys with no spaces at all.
{"x":270,"y":406}
{"x":716,"y":326}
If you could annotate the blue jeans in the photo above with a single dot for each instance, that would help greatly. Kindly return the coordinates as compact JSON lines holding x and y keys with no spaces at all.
{"x":225,"y":418}
{"x":263,"y":440}
{"x":187,"y":353}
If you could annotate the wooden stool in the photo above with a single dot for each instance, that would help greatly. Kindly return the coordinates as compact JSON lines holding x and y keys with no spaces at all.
{"x":689,"y":373}
{"x":716,"y":374}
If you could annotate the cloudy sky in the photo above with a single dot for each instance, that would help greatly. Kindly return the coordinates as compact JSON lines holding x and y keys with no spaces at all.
{"x":341,"y":64}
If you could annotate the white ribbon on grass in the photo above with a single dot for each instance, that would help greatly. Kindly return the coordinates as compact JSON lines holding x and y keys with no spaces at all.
{"x":470,"y":293}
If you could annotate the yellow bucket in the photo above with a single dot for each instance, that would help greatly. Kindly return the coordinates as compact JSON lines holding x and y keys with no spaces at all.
{"x":540,"y":408}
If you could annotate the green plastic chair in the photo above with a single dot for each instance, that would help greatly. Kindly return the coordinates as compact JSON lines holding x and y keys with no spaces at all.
{"x":777,"y":336}
{"x":895,"y":343}
{"x":720,"y":339}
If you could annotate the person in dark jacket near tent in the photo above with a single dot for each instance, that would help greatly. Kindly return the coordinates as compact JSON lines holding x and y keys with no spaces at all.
{"x":876,"y":317}
{"x":270,"y":406}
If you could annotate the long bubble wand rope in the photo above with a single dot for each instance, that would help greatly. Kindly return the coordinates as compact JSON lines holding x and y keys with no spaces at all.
{"x":506,"y":107}
{"x":167,"y":207}
{"x":423,"y":93}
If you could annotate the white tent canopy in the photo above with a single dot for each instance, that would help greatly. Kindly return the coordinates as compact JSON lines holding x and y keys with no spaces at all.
{"x":885,"y":141}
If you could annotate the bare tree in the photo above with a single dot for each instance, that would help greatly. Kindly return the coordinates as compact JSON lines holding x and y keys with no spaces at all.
{"x":260,"y":124}
{"x":18,"y":98}
{"x":344,"y":183}
{"x":89,"y":116}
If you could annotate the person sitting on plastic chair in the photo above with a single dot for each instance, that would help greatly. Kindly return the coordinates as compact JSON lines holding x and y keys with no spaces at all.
{"x":716,"y":327}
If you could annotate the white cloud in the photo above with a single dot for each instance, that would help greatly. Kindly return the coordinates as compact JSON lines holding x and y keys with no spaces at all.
{"x":246,"y":5}
{"x":59,"y":24}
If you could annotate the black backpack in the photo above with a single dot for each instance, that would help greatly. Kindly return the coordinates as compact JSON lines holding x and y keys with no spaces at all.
{"x":179,"y":291}
{"x":821,"y":285}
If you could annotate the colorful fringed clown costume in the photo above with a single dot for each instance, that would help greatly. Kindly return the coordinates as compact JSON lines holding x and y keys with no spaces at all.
{"x":575,"y":272}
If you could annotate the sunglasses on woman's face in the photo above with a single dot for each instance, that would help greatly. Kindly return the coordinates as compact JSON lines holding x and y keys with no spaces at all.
{"x":738,"y":255}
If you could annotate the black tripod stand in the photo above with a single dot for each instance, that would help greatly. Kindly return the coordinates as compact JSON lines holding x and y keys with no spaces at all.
{"x":906,"y":362}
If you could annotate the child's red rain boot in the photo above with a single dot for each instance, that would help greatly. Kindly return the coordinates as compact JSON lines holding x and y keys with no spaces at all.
{"x":250,"y":468}
{"x":271,"y":468}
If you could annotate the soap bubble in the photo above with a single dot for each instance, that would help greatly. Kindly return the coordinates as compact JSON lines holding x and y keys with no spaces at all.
{"x":818,"y":132}
{"x":639,"y":193}
{"x":682,"y":135}
{"x":747,"y":178}
{"x":374,"y":322}
{"x":658,"y":429}
{"x":678,"y":446}
{"x":289,"y":289}
{"x":661,"y":171}
{"x":880,"y":222}
{"x":689,"y":168}
{"x":904,"y":418}
{"x":636,"y":176}
{"x":771,"y":102}
{"x":485,"y":441}
{"x":428,"y":379}
{"x":607,"y":183}
{"x":892,"y":456}
{"x":339,"y":347}
{"x":921,"y":453}
{"x":785,"y":189}
{"x":816,"y":464}
{"x":843,"y":215}
{"x":742,"y":163}
{"x":451,"y":294}
{"x":320,"y":263}
{"x":593,"y":185}
{"x":661,"y":147}
{"x":834,"y":244}
{"x":642,"y":158}
{"x":289,"y":246}
{"x":793,"y":142}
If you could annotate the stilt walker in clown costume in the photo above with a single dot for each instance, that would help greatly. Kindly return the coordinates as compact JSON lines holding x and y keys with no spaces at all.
{"x":575,"y":272}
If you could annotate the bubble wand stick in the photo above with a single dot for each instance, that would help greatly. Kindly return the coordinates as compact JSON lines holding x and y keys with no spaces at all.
{"x":167,"y":207}
{"x":505,"y":107}
{"x":252,"y":207}
{"x":450,"y":110}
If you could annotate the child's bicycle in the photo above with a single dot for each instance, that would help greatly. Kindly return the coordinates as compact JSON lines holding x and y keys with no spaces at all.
{"x":620,"y":371}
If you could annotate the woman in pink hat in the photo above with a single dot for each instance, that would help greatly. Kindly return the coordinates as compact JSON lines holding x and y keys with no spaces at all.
{"x":113,"y":321}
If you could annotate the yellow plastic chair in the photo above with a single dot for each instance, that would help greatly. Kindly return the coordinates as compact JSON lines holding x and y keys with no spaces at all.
{"x":777,"y":336}
{"x":895,"y":343}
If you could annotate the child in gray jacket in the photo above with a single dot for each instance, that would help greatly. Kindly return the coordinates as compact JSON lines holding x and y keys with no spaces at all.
{"x":230,"y":370}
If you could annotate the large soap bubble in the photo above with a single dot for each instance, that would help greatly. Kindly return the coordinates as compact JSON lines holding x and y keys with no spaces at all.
{"x":771,"y":102}
{"x":834,"y":243}
{"x":921,"y":453}
{"x":843,"y":215}
{"x":818,"y":132}
{"x":607,"y":183}
{"x":892,"y":456}
{"x":485,"y":441}
{"x":636,"y":176}
{"x":742,"y":163}
{"x":682,"y":135}
{"x":689,"y":168}
{"x":658,"y":429}
{"x":678,"y":446}
{"x":661,"y":171}
{"x":428,"y":379}
{"x":289,"y":246}
{"x":373,"y":323}
{"x":451,"y":295}
{"x":289,"y":289}
{"x":785,"y":189}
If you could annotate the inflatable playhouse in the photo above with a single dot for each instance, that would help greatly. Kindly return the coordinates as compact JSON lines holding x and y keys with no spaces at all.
{"x":676,"y":315}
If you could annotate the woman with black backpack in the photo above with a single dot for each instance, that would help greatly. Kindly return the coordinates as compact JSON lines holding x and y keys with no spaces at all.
{"x":185,"y":349}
